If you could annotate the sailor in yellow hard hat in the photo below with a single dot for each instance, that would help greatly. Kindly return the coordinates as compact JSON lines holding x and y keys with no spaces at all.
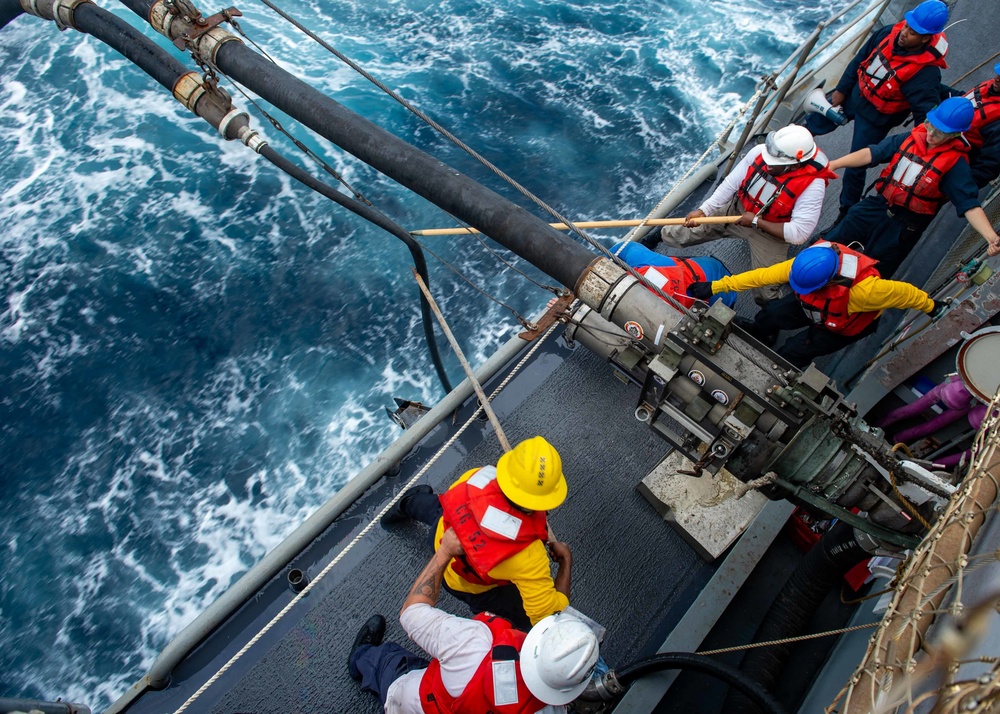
{"x":499,"y":515}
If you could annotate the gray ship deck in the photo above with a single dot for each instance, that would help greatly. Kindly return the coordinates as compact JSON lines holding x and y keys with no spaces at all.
{"x":632,"y":571}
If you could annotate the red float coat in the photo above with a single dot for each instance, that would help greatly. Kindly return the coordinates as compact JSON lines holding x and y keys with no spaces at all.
{"x":498,"y":678}
{"x":489,"y":527}
{"x":912,"y":179}
{"x":881,"y":77}
{"x":759,"y":186}
{"x":828,"y":305}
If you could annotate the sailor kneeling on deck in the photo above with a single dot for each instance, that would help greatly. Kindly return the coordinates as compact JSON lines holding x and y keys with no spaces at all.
{"x":837,"y":293}
{"x":499,"y":515}
{"x":479,"y":665}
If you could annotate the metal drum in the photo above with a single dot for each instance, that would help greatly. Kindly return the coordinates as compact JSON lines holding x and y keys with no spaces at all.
{"x":978,"y":363}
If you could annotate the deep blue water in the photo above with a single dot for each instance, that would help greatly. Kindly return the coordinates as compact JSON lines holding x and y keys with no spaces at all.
{"x":195,"y":352}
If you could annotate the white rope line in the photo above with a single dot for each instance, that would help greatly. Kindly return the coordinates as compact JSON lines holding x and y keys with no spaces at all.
{"x":364,"y":531}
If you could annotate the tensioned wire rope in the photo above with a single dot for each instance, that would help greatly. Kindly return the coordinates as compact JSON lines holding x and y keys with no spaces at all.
{"x":323,"y":164}
{"x":364,"y":531}
{"x":496,"y":170}
{"x":669,"y":299}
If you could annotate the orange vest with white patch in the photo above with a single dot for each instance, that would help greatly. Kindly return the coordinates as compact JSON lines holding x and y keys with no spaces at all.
{"x":828,"y":305}
{"x":674,"y":280}
{"x":489,"y":527}
{"x":881,"y":77}
{"x":497,"y":687}
{"x":912,"y":180}
{"x":987,"y":106}
{"x":759,"y":186}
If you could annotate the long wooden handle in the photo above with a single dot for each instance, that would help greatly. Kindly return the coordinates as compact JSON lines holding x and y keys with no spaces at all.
{"x":591,"y":224}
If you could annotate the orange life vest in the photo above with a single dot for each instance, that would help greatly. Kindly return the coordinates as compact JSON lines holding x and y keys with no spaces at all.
{"x":882,"y":76}
{"x":674,"y":281}
{"x":987,"y":107}
{"x":912,"y":179}
{"x":490,"y":528}
{"x":828,"y":305}
{"x":759,"y":186}
{"x":497,"y":686}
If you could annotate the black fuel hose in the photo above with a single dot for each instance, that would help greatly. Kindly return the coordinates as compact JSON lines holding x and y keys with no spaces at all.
{"x":623,"y":677}
{"x":380,"y":220}
{"x":819,"y":572}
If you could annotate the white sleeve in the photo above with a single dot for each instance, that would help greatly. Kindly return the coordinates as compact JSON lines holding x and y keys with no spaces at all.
{"x":458,"y":643}
{"x":727,"y":189}
{"x":805,"y":213}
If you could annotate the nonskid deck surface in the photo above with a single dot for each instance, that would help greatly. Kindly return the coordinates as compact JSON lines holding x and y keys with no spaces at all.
{"x":629,"y":566}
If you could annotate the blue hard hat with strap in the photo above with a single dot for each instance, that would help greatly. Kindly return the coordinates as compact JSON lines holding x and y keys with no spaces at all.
{"x":813,"y":268}
{"x":953,"y":115}
{"x":927,"y":18}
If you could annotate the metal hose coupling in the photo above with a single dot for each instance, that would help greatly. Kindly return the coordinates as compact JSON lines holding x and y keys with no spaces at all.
{"x":603,"y":689}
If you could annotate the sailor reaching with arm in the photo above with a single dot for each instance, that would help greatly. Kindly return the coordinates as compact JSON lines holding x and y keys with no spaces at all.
{"x":478,"y":665}
{"x":836,"y":292}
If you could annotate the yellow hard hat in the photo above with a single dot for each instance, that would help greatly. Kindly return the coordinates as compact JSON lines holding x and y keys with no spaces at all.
{"x":531,"y":475}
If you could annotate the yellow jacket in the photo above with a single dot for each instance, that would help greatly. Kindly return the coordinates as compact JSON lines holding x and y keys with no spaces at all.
{"x":870,"y":295}
{"x":528,"y":570}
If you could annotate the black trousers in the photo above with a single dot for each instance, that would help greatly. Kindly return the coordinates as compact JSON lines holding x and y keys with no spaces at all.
{"x":801,"y":348}
{"x":502,"y":600}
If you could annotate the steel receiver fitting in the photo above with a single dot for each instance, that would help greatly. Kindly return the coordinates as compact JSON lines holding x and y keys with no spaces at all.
{"x":59,"y":11}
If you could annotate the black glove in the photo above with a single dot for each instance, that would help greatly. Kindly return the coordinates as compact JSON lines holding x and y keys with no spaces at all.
{"x":700,"y":290}
{"x":939,"y":308}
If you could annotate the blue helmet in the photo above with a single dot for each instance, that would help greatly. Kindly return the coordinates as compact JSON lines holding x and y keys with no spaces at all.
{"x":996,"y":68}
{"x":813,"y":268}
{"x":952,"y":115}
{"x":927,"y":18}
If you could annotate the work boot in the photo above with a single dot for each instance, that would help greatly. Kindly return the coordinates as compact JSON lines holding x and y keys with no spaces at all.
{"x":371,"y":633}
{"x":651,"y":239}
{"x":397,"y":514}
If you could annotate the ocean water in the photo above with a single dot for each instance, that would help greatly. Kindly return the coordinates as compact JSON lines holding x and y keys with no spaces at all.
{"x":195,"y":351}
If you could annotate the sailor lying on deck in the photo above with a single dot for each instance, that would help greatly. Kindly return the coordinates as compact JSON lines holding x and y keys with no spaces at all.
{"x":836,"y":292}
{"x":479,"y":665}
{"x":674,"y":275}
{"x":499,"y":514}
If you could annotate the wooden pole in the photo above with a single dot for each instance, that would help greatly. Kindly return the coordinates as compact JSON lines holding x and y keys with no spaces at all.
{"x":591,"y":224}
{"x":465,"y":364}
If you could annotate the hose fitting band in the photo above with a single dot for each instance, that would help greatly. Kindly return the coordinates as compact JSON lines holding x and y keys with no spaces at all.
{"x":160,"y":18}
{"x":189,"y":89}
{"x":208,"y":44}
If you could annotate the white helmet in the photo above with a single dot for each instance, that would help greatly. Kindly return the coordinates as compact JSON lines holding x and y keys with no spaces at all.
{"x":558,"y":657}
{"x":789,"y":145}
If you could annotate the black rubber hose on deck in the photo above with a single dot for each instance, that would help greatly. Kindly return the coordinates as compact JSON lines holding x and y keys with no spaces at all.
{"x":370,"y":214}
{"x":626,"y":675}
{"x":819,"y":572}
